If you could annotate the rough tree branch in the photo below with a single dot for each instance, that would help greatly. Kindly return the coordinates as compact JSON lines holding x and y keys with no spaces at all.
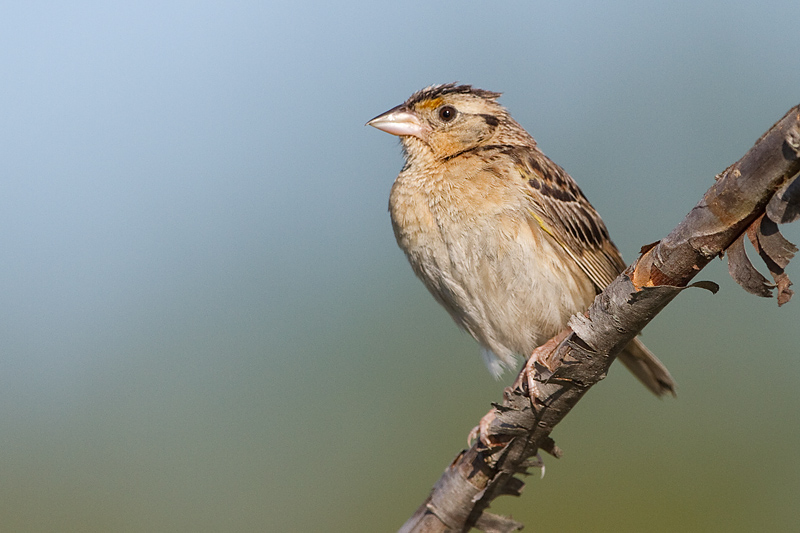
{"x":560,"y":372}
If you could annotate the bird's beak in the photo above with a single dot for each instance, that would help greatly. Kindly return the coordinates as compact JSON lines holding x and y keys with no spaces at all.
{"x":399,"y":121}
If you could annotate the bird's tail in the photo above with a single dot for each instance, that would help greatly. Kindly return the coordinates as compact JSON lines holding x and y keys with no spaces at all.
{"x":647,"y":368}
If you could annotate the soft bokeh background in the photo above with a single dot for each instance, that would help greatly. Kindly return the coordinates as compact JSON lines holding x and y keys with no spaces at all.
{"x":206,"y":325}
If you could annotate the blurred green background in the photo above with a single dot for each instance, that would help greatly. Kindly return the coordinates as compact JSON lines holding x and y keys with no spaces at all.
{"x":206,"y":324}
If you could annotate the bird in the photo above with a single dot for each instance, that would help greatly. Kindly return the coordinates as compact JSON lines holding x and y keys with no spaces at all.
{"x":502,"y":237}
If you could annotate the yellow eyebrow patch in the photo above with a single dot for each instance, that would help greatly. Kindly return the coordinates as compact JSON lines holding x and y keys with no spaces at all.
{"x":430,"y":104}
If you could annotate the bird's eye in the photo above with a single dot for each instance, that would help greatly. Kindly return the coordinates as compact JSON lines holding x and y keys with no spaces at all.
{"x":447,"y":113}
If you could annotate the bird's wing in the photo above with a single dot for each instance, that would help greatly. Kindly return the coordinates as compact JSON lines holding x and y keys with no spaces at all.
{"x":559,"y":207}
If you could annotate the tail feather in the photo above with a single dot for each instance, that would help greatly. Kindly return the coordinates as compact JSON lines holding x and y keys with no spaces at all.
{"x":647,"y":368}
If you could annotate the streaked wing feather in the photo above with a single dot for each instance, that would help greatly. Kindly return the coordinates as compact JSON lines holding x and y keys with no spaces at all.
{"x":564,"y":212}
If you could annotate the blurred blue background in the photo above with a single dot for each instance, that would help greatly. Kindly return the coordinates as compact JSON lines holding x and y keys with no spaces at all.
{"x":206,"y":324}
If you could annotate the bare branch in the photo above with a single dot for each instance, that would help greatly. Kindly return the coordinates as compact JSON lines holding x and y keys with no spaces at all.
{"x":560,"y":372}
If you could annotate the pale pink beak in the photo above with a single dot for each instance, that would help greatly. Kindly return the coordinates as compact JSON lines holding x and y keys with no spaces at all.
{"x":399,"y":121}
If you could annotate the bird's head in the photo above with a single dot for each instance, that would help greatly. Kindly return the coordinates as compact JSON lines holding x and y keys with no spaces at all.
{"x":443,"y":121}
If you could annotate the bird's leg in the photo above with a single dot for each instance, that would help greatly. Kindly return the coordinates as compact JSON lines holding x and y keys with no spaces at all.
{"x":537,"y":369}
{"x":540,"y":362}
{"x":481,"y":432}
